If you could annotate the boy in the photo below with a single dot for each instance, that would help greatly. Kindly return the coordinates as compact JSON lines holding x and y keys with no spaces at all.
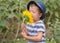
{"x":35,"y":33}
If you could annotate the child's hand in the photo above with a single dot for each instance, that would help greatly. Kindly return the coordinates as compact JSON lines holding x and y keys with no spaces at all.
{"x":23,"y":34}
{"x":23,"y":26}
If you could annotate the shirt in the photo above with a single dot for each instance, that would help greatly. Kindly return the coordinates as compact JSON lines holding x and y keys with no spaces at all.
{"x":34,"y":28}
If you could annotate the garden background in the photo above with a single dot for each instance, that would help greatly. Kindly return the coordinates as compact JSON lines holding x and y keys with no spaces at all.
{"x":11,"y":19}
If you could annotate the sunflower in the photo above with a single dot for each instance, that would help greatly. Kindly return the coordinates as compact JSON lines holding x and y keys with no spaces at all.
{"x":29,"y":15}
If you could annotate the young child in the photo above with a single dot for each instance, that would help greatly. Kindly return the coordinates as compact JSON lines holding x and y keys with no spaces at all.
{"x":35,"y":32}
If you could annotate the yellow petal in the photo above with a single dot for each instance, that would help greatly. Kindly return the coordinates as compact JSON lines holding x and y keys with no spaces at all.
{"x":28,"y":14}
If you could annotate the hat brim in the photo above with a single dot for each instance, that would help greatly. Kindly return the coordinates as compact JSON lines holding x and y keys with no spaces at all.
{"x":33,"y":2}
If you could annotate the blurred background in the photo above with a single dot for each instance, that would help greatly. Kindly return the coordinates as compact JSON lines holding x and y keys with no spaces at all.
{"x":11,"y":19}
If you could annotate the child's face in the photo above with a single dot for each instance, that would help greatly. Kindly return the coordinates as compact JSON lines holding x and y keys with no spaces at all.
{"x":35,"y":12}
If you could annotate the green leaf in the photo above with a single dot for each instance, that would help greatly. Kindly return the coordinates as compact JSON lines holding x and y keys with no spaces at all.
{"x":26,"y":19}
{"x":56,"y":14}
{"x":11,"y":16}
{"x":3,"y":23}
{"x":0,"y":29}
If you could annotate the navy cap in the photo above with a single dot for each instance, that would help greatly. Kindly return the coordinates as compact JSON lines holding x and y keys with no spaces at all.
{"x":41,"y":5}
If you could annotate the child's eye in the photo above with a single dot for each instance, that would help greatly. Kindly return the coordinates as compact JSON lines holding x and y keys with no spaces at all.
{"x":32,"y":11}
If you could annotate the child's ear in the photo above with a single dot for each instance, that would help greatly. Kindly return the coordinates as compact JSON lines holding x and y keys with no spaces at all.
{"x":40,"y":15}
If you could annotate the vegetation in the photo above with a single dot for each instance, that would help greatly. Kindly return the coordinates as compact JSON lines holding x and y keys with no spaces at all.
{"x":11,"y":19}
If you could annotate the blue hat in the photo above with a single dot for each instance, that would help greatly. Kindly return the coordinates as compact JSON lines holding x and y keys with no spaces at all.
{"x":40,"y":5}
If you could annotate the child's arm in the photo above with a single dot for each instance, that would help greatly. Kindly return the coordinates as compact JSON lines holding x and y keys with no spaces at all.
{"x":40,"y":30}
{"x":33,"y":38}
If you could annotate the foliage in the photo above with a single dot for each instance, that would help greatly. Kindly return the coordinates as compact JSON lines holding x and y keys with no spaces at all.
{"x":53,"y":19}
{"x":11,"y":19}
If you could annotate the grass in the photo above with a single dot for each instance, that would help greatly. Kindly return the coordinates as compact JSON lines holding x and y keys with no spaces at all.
{"x":12,"y":41}
{"x":21,"y":41}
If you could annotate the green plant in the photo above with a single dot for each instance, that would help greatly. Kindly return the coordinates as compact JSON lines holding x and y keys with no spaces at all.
{"x":53,"y":19}
{"x":11,"y":19}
